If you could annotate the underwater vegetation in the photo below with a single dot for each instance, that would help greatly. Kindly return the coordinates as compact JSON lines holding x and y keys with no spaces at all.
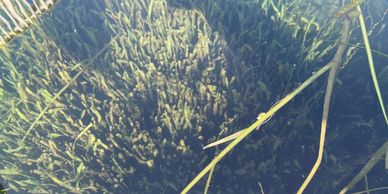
{"x":121,"y":95}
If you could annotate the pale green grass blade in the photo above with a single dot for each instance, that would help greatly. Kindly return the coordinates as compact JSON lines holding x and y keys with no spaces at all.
{"x":371,"y":64}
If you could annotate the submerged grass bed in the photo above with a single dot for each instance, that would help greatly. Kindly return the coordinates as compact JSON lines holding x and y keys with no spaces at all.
{"x":120,"y":96}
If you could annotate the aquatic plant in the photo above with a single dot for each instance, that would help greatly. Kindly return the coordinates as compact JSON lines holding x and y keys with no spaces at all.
{"x":122,"y":95}
{"x":351,"y":12}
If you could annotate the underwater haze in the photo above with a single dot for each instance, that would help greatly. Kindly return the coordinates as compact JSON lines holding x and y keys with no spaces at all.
{"x":122,"y":96}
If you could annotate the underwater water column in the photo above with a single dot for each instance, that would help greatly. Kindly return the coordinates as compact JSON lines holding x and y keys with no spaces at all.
{"x":17,"y":15}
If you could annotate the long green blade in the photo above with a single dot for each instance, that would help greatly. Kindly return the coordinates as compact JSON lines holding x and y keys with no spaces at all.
{"x":371,"y":64}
